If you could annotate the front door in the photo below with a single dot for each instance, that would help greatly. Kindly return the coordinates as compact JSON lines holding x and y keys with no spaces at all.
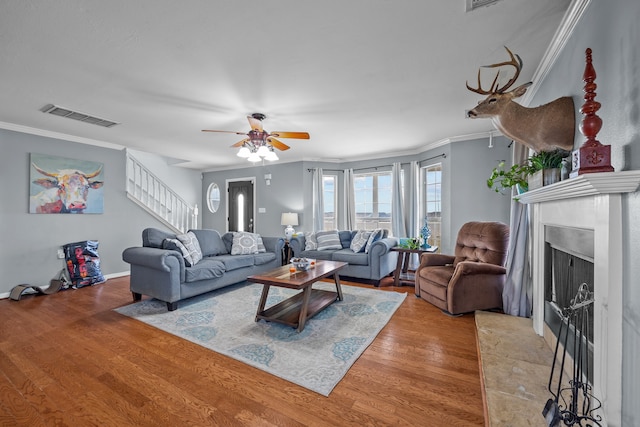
{"x":240,"y":206}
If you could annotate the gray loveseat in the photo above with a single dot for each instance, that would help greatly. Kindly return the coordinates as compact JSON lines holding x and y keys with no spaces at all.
{"x":163,"y":274}
{"x":378,"y":263}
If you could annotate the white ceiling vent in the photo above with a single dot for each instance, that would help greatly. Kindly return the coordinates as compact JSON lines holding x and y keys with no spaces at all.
{"x":474,"y":4}
{"x":70,"y":114}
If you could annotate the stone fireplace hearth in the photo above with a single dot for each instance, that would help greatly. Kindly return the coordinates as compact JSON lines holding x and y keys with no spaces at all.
{"x":591,"y":202}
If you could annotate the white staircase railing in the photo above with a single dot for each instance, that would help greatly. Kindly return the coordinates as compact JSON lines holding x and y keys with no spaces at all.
{"x":154,"y":196}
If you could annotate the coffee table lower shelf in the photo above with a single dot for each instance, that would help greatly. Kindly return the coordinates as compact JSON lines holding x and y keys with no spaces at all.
{"x":288,"y":312}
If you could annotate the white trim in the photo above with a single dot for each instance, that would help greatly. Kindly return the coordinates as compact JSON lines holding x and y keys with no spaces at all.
{"x":58,"y":135}
{"x":6,"y":295}
{"x":563,"y":33}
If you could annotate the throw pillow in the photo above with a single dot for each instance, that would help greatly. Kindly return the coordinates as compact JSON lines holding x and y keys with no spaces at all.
{"x":261,"y":247}
{"x":244,"y":243}
{"x":310,"y":242}
{"x":375,"y":235}
{"x":176,"y":245}
{"x":359,"y":241}
{"x":190,"y":241}
{"x":328,"y":240}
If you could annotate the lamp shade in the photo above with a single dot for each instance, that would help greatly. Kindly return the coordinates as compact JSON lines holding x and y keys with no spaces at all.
{"x":289,"y":218}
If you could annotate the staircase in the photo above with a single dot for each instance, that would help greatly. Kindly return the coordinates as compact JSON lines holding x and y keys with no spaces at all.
{"x":154,"y":196}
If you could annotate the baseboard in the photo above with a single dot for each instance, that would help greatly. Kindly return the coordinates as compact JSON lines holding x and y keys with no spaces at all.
{"x":5,"y":295}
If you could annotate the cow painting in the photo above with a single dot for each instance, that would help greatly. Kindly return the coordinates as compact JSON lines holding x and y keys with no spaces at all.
{"x":64,"y":190}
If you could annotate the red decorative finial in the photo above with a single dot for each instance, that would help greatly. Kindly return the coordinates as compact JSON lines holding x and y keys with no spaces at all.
{"x":591,"y":156}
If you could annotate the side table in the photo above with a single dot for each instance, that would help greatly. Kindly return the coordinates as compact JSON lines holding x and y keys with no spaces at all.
{"x":287,"y":253}
{"x":402,"y":275}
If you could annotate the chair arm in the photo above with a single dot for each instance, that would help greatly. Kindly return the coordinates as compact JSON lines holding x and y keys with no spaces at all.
{"x":154,"y":258}
{"x":297,"y":244}
{"x":382,"y":246}
{"x":472,"y":267}
{"x":275,"y":245}
{"x":429,"y":259}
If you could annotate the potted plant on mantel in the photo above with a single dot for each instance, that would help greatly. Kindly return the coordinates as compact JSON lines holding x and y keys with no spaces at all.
{"x":540,"y":169}
{"x":545,"y":168}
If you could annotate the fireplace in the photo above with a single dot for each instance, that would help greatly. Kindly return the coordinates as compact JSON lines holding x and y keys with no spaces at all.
{"x":591,"y":202}
{"x":568,"y":264}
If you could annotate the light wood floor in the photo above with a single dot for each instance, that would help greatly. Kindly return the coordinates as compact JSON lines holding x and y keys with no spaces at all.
{"x":68,"y":359}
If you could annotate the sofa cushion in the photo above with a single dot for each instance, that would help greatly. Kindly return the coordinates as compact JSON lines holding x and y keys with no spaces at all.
{"x":347,"y":255}
{"x":244,"y":243}
{"x":190,"y":241}
{"x":207,"y":268}
{"x":324,"y":255}
{"x":154,"y":238}
{"x":261,"y":247}
{"x":263,"y":258}
{"x":234,"y":262}
{"x":210,"y":242}
{"x":328,"y":240}
{"x":310,"y":242}
{"x":345,"y":238}
{"x":176,"y":245}
{"x":359,"y":241}
{"x":373,"y":237}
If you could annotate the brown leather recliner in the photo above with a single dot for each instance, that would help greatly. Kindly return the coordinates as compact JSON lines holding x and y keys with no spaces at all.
{"x":472,"y":279}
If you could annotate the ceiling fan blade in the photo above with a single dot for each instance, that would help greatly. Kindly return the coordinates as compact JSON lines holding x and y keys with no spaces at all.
{"x":277,"y":144}
{"x":255,"y":123}
{"x":224,"y":131}
{"x":241,"y":143}
{"x":295,"y":135}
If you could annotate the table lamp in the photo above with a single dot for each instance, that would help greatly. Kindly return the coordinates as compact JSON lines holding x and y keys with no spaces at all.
{"x":289,"y":219}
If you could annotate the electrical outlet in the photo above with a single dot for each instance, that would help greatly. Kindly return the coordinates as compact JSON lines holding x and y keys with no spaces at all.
{"x":60,"y":254}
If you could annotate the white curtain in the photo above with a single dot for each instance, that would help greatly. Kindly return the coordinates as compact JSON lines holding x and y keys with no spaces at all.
{"x":318,"y":200}
{"x":398,"y":228}
{"x":349,"y":200}
{"x":517,"y":293}
{"x":411,"y":203}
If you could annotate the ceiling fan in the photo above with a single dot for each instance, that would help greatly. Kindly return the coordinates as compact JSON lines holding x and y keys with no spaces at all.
{"x":260,"y":144}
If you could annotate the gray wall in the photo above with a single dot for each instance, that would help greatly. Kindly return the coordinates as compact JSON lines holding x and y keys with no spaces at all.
{"x":610,"y":29}
{"x":30,"y":241}
{"x":466,"y":167}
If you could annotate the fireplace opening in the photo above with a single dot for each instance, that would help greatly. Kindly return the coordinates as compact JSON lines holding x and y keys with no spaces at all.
{"x":568,"y":263}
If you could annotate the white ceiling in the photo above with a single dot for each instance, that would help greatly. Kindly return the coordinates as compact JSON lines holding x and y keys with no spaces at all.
{"x":366,"y":78}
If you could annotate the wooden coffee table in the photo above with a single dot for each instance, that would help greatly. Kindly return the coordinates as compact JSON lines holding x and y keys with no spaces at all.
{"x":296,"y":310}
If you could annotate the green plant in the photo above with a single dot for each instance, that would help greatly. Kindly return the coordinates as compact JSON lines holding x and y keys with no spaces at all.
{"x":547,"y":159}
{"x":412,"y":243}
{"x":502,"y":179}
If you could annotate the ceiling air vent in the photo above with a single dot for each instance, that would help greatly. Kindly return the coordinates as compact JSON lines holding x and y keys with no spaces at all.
{"x":474,"y":4}
{"x":70,"y":114}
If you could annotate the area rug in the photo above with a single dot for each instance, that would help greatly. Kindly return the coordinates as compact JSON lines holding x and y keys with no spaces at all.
{"x":316,"y":358}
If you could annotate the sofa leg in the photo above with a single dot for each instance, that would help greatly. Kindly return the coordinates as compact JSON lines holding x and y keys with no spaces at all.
{"x":136,"y":296}
{"x":171,"y":306}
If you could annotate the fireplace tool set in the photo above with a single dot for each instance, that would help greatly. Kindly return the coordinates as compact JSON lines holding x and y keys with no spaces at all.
{"x":575,"y":404}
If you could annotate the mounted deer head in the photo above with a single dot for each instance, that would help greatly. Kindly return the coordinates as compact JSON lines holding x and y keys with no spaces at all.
{"x":544,"y":128}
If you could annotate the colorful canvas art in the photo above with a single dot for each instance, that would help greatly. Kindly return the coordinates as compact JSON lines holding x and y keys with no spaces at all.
{"x":62,"y":185}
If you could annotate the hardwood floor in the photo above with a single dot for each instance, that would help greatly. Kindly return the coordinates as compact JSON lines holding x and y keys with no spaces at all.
{"x":68,"y":359}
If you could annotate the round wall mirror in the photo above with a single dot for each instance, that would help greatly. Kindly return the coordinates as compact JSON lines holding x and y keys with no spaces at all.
{"x":213,"y":197}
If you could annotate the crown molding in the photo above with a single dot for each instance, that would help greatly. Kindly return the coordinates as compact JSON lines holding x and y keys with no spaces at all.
{"x":58,"y":135}
{"x":571,"y":18}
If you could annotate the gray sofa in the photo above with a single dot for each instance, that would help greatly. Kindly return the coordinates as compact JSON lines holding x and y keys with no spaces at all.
{"x":163,"y":274}
{"x":378,"y":263}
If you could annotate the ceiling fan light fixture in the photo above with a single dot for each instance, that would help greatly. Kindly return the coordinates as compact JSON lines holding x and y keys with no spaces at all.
{"x":263,"y":151}
{"x":254,"y":157}
{"x":244,"y":152}
{"x":271,"y":156}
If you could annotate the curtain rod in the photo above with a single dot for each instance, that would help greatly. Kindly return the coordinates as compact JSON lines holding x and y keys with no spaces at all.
{"x":443,"y":155}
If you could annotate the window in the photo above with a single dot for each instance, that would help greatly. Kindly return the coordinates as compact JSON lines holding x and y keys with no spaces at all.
{"x":330,"y":197}
{"x":431,"y":209}
{"x":373,"y":200}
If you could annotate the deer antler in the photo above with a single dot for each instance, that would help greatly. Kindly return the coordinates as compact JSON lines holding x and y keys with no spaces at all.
{"x":515,"y":61}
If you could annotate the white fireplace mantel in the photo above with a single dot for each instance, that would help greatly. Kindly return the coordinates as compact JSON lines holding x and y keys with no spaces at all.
{"x":590,"y":201}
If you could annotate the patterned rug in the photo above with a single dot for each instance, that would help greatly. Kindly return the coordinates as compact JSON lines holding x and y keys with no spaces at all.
{"x":316,"y":358}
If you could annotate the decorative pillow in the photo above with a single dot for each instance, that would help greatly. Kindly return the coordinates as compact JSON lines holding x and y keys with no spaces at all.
{"x":261,"y":247}
{"x":360,"y":240}
{"x":190,"y":242}
{"x":310,"y":242}
{"x":244,"y":243}
{"x":328,"y":240}
{"x":176,"y":245}
{"x":375,"y":235}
